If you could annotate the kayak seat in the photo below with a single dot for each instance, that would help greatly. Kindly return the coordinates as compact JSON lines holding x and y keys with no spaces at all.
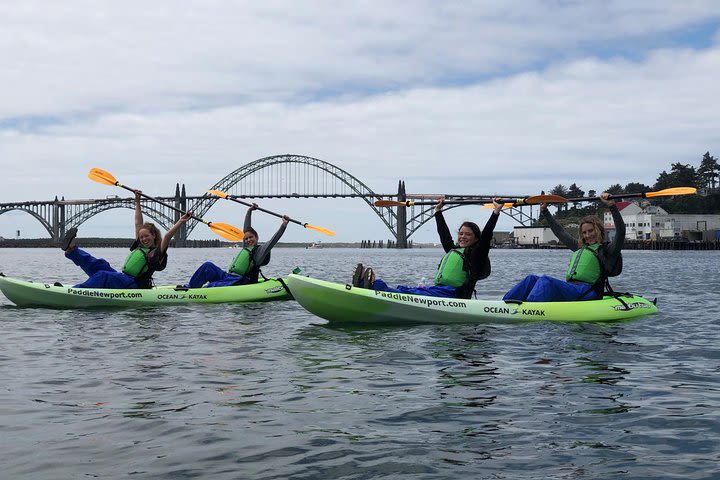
{"x":513,"y":302}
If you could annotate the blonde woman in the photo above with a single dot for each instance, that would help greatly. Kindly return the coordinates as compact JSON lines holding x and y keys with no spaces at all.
{"x":148,"y":254}
{"x":592,"y":262}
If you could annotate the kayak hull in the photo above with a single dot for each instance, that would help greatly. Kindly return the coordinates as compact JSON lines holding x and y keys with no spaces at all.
{"x":31,"y":294}
{"x":344,"y":304}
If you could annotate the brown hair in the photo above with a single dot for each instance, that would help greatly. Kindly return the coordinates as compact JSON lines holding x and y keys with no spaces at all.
{"x":475,"y":229}
{"x":154,"y":231}
{"x":593,"y":220}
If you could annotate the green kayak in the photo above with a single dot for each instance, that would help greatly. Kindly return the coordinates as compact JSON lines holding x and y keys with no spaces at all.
{"x":344,"y":304}
{"x":31,"y":294}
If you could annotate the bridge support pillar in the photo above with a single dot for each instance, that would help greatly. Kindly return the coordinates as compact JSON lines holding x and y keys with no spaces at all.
{"x":59,"y":225}
{"x":401,"y":236}
{"x":180,"y":203}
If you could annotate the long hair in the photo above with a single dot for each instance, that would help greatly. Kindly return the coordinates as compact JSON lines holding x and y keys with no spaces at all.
{"x":253,"y":231}
{"x":154,"y":231}
{"x":475,"y":229}
{"x":596,"y":222}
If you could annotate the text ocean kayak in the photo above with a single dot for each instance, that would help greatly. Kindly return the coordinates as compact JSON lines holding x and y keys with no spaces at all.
{"x":345,"y":304}
{"x":27,"y":294}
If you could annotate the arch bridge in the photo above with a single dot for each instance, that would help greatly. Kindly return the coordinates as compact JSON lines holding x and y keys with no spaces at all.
{"x":279,"y":176}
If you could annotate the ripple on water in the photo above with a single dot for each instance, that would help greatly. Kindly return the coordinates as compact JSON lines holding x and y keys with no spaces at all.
{"x":271,"y":392}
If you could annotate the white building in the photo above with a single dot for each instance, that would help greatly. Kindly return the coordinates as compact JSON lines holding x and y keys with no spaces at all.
{"x":525,"y":236}
{"x":649,"y":222}
{"x":642,"y":222}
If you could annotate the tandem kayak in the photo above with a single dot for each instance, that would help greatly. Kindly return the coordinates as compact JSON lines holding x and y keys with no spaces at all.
{"x":344,"y":304}
{"x":30,"y":294}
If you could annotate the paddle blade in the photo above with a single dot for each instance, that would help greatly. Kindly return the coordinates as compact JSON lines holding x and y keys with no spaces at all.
{"x":322,"y":230}
{"x":218,"y":193}
{"x":101,"y":176}
{"x":490,"y":205}
{"x":673,"y":191}
{"x":538,"y":199}
{"x":227,"y":231}
{"x":390,"y":203}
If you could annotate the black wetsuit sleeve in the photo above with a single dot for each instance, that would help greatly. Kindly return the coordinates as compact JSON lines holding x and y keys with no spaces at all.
{"x":446,"y":238}
{"x":248,"y":220}
{"x":479,"y":253}
{"x":618,"y":242}
{"x":564,"y":237}
{"x":261,"y":251}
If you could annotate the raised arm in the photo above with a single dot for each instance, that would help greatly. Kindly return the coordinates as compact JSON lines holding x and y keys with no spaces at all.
{"x":138,"y":213}
{"x":248,"y":217}
{"x":263,"y":250}
{"x":446,"y":238}
{"x":479,"y":253}
{"x":558,"y":229}
{"x":487,"y":232}
{"x":168,"y":236}
{"x":619,"y":241}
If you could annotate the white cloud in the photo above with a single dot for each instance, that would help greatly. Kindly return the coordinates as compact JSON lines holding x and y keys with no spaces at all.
{"x":452,"y":97}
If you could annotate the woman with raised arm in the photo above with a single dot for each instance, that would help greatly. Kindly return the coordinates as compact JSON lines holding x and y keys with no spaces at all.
{"x":148,"y":254}
{"x":592,"y":262}
{"x":245,"y":267}
{"x":465,"y":261}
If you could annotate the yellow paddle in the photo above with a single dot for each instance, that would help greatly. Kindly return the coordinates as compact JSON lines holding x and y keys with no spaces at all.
{"x":224,"y":230}
{"x":224,"y":195}
{"x":660,"y":193}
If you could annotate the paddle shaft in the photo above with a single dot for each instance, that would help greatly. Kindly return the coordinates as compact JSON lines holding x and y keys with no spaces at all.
{"x":264,"y":210}
{"x":469,"y":201}
{"x":162,"y":203}
{"x":531,"y":200}
{"x":610,"y":197}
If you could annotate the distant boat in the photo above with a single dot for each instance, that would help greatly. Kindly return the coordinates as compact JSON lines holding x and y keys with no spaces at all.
{"x":314,"y":245}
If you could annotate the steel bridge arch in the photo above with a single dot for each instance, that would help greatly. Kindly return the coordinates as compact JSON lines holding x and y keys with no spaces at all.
{"x":37,"y":216}
{"x":148,"y":208}
{"x":204,"y":203}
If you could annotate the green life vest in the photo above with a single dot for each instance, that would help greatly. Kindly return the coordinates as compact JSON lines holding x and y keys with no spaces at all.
{"x":243,"y":262}
{"x":450,"y":271}
{"x":584,"y":265}
{"x":136,"y":263}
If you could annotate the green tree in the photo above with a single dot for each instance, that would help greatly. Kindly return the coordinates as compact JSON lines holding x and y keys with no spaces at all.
{"x":680,"y":175}
{"x":563,"y":192}
{"x":559,"y":190}
{"x":575,"y":192}
{"x":634,"y":187}
{"x":708,"y":172}
{"x":615,"y":189}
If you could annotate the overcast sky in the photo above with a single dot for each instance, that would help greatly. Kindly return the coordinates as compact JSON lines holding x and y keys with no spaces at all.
{"x":489,"y":97}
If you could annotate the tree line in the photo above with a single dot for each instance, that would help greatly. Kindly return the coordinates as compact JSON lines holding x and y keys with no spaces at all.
{"x":706,"y":178}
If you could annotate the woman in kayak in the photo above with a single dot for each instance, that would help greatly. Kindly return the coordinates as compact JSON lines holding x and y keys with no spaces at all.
{"x":464,"y":263}
{"x":592,"y":262}
{"x":245,"y":267}
{"x":148,"y":255}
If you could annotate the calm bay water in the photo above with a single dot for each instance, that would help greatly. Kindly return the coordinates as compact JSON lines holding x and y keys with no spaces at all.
{"x":268,"y":391}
